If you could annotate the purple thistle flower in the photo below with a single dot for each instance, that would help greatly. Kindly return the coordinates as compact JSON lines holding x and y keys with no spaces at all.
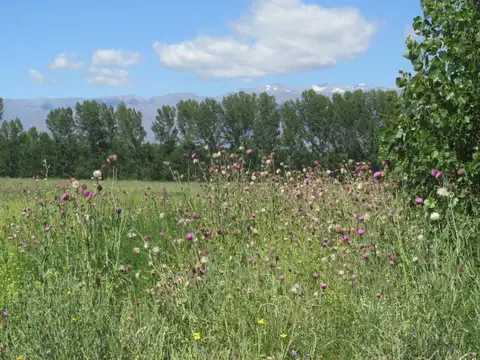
{"x":189,"y":236}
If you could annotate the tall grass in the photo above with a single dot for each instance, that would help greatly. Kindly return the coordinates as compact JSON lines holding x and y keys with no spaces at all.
{"x":278,"y":266}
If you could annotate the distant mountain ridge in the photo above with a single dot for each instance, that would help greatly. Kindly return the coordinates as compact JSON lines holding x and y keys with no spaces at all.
{"x":33,"y":112}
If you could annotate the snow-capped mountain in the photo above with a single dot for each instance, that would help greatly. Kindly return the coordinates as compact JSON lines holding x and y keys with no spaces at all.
{"x":33,"y":112}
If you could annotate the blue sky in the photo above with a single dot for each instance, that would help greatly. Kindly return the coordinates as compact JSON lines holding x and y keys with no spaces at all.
{"x":58,"y":48}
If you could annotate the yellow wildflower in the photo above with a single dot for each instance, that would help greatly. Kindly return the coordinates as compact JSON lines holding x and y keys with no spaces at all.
{"x":261,"y":322}
{"x":196,"y":336}
{"x":283,"y":336}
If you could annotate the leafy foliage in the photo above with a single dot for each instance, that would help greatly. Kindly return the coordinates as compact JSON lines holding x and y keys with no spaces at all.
{"x":437,"y":124}
{"x":313,"y":127}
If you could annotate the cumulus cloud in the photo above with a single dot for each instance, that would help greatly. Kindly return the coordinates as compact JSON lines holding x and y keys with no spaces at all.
{"x":108,"y":77}
{"x":66,"y":61}
{"x":274,"y":37}
{"x":38,"y":78}
{"x":113,"y":57}
{"x":408,"y":31}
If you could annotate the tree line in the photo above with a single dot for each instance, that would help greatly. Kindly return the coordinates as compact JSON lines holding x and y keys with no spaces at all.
{"x":313,"y":127}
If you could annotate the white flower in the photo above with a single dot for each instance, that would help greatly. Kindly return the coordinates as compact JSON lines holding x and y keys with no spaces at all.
{"x":434,"y":216}
{"x":278,"y":171}
{"x":241,"y":148}
{"x":443,"y":192}
{"x":97,"y":174}
{"x":166,"y":163}
{"x":75,"y":184}
{"x":156,"y":250}
{"x":195,"y":161}
{"x":205,"y":147}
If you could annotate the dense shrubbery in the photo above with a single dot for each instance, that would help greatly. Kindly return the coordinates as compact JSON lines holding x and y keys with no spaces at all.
{"x":438,"y":117}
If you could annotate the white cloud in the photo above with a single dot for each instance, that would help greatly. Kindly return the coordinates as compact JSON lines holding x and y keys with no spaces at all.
{"x":275,"y":37}
{"x":108,"y":77}
{"x":65,"y":61}
{"x":112,"y":57}
{"x":408,"y":31}
{"x":38,"y":78}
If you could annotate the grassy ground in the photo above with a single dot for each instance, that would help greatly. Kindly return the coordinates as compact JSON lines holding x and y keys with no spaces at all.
{"x":271,"y":269}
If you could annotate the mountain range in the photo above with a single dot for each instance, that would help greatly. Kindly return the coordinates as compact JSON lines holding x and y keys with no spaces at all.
{"x":33,"y":112}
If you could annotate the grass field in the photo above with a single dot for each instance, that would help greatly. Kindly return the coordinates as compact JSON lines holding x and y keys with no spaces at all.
{"x":271,"y":268}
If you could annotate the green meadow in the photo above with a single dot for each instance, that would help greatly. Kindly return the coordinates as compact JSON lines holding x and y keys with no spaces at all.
{"x":271,"y":265}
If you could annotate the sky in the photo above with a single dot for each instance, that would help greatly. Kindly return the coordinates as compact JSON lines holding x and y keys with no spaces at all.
{"x":58,"y":48}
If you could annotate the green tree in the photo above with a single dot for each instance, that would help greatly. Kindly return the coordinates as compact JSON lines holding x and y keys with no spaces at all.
{"x":266,"y":126}
{"x":187,"y":110}
{"x":237,"y":127}
{"x":293,"y":135}
{"x":11,"y":140}
{"x":207,"y":123}
{"x":1,"y":109}
{"x":61,"y":124}
{"x":315,"y":112}
{"x":163,"y":126}
{"x":437,"y":124}
{"x":131,"y":136}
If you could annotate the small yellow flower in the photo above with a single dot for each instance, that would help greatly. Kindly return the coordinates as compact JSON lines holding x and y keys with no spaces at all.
{"x":38,"y":313}
{"x":196,"y":336}
{"x":19,"y":357}
{"x":75,"y":319}
{"x":261,"y":322}
{"x":283,"y":336}
{"x":69,"y":292}
{"x":38,"y":285}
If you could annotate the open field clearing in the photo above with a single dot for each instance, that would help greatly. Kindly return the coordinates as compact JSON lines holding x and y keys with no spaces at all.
{"x":298,"y":266}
